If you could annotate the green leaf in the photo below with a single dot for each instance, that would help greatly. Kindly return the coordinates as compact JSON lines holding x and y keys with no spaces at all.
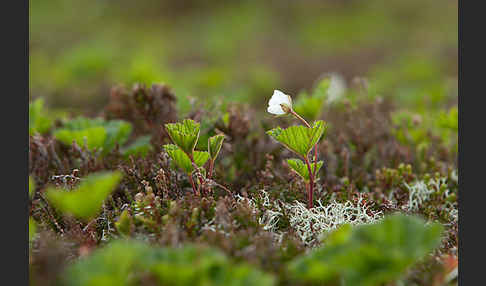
{"x":94,"y":137}
{"x":114,"y":264}
{"x":309,"y":107}
{"x":85,"y":201}
{"x":184,"y":134}
{"x":200,"y":158}
{"x":183,"y":161}
{"x":322,"y":88}
{"x":299,"y":139}
{"x":301,"y":168}
{"x":31,"y":186}
{"x":129,"y":262}
{"x":140,"y":147}
{"x":117,"y":131}
{"x":80,"y":123}
{"x":214,"y":145}
{"x":39,"y":120}
{"x":98,"y":133}
{"x":372,"y":254}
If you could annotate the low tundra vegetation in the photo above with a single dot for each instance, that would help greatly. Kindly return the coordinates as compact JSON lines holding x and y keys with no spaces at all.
{"x":339,"y":191}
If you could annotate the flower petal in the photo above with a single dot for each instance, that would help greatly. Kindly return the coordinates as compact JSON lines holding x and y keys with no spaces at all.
{"x":275,"y":109}
{"x":278,"y":98}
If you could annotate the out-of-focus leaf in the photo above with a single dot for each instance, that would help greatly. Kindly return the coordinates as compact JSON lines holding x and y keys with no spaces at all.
{"x":140,"y":147}
{"x":123,"y":225}
{"x":94,"y":137}
{"x":85,"y":201}
{"x":39,"y":121}
{"x":368,"y":254}
{"x":128,"y":262}
{"x":117,"y":132}
{"x":97,"y":133}
{"x":309,"y":107}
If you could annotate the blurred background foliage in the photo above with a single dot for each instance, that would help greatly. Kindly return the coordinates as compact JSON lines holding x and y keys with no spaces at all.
{"x":241,"y":50}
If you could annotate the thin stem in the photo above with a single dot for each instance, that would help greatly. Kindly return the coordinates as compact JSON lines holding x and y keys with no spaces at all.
{"x":192,"y":184}
{"x":312,"y":173}
{"x":310,"y":191}
{"x":300,"y":118}
{"x":210,"y":172}
{"x":308,"y":125}
{"x":211,"y":166}
{"x":196,"y":168}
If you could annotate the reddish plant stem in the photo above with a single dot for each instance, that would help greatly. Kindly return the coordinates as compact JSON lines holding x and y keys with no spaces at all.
{"x":310,"y":191}
{"x":308,"y":125}
{"x":193,"y":185}
{"x":211,"y":166}
{"x":196,"y":167}
{"x":210,"y":173}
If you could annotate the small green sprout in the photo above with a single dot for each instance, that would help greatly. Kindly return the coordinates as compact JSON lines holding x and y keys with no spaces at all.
{"x":298,"y":139}
{"x":185,"y":136}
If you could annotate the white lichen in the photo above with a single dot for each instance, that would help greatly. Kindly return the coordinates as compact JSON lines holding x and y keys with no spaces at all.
{"x":311,"y":224}
{"x":418,"y":193}
{"x":421,"y":191}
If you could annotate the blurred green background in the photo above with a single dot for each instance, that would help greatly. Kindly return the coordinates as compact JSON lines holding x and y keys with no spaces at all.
{"x":241,"y":50}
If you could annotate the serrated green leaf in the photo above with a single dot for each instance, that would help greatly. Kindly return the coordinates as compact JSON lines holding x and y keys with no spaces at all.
{"x":85,"y":201}
{"x":184,"y":134}
{"x":299,"y":139}
{"x":214,"y":145}
{"x":200,"y":158}
{"x":140,"y":147}
{"x":31,"y":186}
{"x":301,"y":168}
{"x":179,"y":157}
{"x":183,"y":161}
{"x":386,"y":249}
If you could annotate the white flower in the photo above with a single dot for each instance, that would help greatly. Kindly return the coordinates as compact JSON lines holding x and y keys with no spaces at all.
{"x":280,"y":103}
